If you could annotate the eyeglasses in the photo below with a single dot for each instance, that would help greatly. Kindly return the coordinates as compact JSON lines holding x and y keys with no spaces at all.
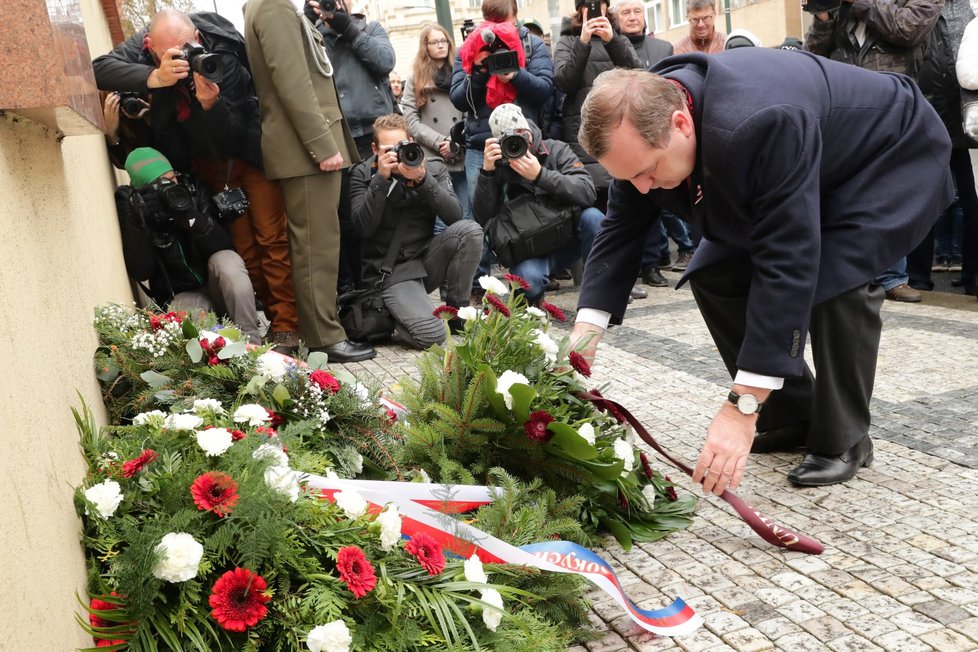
{"x":440,"y":41}
{"x":706,"y":20}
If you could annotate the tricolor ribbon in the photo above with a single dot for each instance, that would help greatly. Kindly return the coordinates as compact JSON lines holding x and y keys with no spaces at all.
{"x":426,"y":507}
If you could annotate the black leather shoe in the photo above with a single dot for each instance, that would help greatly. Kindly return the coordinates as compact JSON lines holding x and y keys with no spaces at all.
{"x":821,"y":470}
{"x":786,"y":439}
{"x":347,"y":351}
{"x":652,"y":276}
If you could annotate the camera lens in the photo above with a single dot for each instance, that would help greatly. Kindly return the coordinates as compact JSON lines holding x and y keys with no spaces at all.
{"x":513,"y":146}
{"x":176,"y":197}
{"x":130,"y":104}
{"x":410,"y":154}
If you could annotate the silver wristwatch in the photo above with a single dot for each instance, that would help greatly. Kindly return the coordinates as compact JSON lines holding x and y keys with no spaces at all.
{"x":746,"y":403}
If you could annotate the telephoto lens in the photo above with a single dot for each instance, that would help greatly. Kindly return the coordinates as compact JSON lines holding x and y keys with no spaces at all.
{"x":514,"y":145}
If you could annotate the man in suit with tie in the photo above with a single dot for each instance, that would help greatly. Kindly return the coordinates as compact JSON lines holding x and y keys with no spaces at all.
{"x":807,"y":178}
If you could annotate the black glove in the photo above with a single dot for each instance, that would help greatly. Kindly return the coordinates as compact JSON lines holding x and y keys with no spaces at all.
{"x":310,"y":13}
{"x":343,"y":25}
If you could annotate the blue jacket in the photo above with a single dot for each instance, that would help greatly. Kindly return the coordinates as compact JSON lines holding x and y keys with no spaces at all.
{"x":534,"y":88}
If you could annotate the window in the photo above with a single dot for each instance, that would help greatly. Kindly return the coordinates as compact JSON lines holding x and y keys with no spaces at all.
{"x":654,"y":20}
{"x":677,"y":13}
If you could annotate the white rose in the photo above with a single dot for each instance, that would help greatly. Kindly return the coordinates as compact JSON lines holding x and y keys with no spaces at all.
{"x":214,"y":441}
{"x":424,"y":476}
{"x":208,"y":405}
{"x":331,"y":637}
{"x":152,"y":418}
{"x":648,"y":492}
{"x":390,"y":527}
{"x":351,"y":502}
{"x":493,"y":285}
{"x":180,"y":556}
{"x":272,"y":366}
{"x":252,"y":414}
{"x":473,"y":569}
{"x":624,"y":452}
{"x":492,"y":615}
{"x":283,"y":480}
{"x":546,"y":343}
{"x":507,"y":380}
{"x":357,"y":463}
{"x":183,"y":422}
{"x":106,"y":496}
{"x":587,"y":431}
{"x":270,"y":451}
{"x":469,"y":313}
{"x":533,"y":311}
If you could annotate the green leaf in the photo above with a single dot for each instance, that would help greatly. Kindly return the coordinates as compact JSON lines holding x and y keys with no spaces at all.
{"x":189,"y":330}
{"x":254,"y":385}
{"x":570,"y":442}
{"x":344,"y":376}
{"x":620,"y":532}
{"x":494,"y":398}
{"x":317,"y":360}
{"x":605,"y":470}
{"x":280,"y":394}
{"x":232,"y":350}
{"x":194,"y":350}
{"x":154,"y":379}
{"x":107,"y":373}
{"x":522,"y":395}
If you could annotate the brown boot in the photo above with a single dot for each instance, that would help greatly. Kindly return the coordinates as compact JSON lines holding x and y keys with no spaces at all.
{"x":903,"y":293}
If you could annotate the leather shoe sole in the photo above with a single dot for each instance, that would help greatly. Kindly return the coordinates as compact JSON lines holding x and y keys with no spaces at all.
{"x":786,"y":439}
{"x":822,"y":470}
{"x":347,"y":351}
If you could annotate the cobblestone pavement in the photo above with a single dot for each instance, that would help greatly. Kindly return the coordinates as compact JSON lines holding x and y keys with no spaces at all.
{"x":900,"y":567}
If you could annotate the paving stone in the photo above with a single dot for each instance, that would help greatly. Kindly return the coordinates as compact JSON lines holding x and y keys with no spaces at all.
{"x":967,"y":627}
{"x":871,"y":625}
{"x":853,"y":643}
{"x":943,"y":612}
{"x":799,"y":611}
{"x":802,"y":642}
{"x":914,"y":623}
{"x":748,"y":640}
{"x":610,"y":642}
{"x":701,"y":640}
{"x":843,"y":609}
{"x":946,"y":640}
{"x":825,"y":628}
{"x":957,"y":595}
{"x":777,"y":627}
{"x":901,"y":642}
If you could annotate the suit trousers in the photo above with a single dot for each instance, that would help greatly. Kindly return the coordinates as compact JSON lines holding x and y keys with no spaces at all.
{"x":314,"y":245}
{"x":845,"y":335}
{"x":260,"y":236}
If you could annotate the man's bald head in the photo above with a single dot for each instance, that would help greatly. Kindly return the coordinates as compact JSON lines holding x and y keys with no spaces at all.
{"x":169,"y":29}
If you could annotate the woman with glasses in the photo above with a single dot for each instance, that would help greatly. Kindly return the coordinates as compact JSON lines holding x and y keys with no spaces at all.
{"x":428,"y":108}
{"x":703,"y":34}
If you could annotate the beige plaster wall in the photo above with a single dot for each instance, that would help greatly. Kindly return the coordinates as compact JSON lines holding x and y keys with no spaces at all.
{"x":59,"y":258}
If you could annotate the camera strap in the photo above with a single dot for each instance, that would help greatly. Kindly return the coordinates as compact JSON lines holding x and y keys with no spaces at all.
{"x":387,"y":267}
{"x":227,"y":175}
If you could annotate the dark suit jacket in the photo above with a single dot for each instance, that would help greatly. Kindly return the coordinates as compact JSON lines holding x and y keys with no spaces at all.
{"x":823,"y":174}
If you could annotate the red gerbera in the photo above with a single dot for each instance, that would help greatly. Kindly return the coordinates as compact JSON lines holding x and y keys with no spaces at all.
{"x":671,"y":491}
{"x":497,"y":303}
{"x":646,"y":465}
{"x":356,"y":571}
{"x":215,"y":492}
{"x":325,"y":381}
{"x":517,"y":280}
{"x":536,"y":427}
{"x":554,"y":311}
{"x":99,"y":622}
{"x":427,"y":551}
{"x":445,"y":312}
{"x":579,"y":364}
{"x":238,"y":599}
{"x":134,"y":466}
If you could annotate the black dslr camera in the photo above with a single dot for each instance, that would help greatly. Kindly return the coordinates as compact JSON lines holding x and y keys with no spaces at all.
{"x":513,"y":145}
{"x":328,"y":6}
{"x":231,"y":203}
{"x":205,"y":63}
{"x":820,"y":6}
{"x":408,"y":153}
{"x":468,"y":26}
{"x":131,"y":103}
{"x":501,"y":59}
{"x":157,"y":203}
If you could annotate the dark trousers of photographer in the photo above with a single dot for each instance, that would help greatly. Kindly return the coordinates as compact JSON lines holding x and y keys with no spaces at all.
{"x":260,"y":236}
{"x":450,"y":260}
{"x":228,"y":291}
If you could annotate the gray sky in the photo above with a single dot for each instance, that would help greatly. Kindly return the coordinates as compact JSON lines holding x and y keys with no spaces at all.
{"x":230,"y":9}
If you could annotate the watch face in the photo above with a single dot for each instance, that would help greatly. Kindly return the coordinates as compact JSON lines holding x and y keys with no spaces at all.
{"x":747,"y":404}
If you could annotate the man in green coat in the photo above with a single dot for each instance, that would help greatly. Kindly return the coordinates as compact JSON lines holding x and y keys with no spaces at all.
{"x":305,"y":144}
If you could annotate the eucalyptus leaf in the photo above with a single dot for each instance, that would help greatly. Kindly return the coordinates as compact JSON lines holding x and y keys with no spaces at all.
{"x":317,"y":360}
{"x":155,"y":379}
{"x":232,"y":350}
{"x":280,"y":394}
{"x":107,"y":373}
{"x":194,"y":350}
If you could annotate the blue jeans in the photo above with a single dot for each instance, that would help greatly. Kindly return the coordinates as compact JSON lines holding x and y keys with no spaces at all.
{"x":657,"y":242}
{"x":896,"y":275}
{"x":461,"y":187}
{"x":536,"y":271}
{"x":473,"y":163}
{"x":948,"y":230}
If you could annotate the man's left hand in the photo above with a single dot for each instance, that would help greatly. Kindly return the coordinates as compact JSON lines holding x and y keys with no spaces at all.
{"x":207,"y":91}
{"x":527,"y":166}
{"x":723,"y":459}
{"x":412,"y":174}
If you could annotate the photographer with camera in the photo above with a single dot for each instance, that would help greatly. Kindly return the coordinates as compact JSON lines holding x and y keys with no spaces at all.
{"x":204,"y":117}
{"x":554,"y":186}
{"x":171,"y":238}
{"x":396,"y":195}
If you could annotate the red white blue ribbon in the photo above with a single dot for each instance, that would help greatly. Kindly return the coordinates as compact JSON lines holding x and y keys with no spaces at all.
{"x":427,"y":507}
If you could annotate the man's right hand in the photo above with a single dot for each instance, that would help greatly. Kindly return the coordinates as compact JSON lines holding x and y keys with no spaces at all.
{"x":584,"y":339}
{"x":331,"y":164}
{"x":492,"y":153}
{"x":173,"y":67}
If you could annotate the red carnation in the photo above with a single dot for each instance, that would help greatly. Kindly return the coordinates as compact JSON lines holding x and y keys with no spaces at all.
{"x":536,"y":427}
{"x":646,"y":465}
{"x":554,"y":311}
{"x":356,"y":571}
{"x":391,"y":416}
{"x":579,"y":363}
{"x":517,"y":280}
{"x":497,"y":303}
{"x":238,"y":599}
{"x":427,"y":551}
{"x":158,"y":321}
{"x":445,"y":312}
{"x":671,"y":491}
{"x":325,"y":381}
{"x":236,"y":435}
{"x":267,"y":431}
{"x":134,"y":466}
{"x":215,"y":492}
{"x":99,"y":622}
{"x":274,"y":418}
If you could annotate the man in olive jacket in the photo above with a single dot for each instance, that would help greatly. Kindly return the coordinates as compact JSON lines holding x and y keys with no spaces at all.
{"x":305,"y":144}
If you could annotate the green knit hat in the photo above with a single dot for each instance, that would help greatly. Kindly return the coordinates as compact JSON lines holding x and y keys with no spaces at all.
{"x":145,"y":165}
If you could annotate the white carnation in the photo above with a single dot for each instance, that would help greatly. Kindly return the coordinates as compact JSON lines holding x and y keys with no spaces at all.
{"x":469,"y":313}
{"x":424,"y":476}
{"x":252,"y":414}
{"x":357,"y":463}
{"x":106,"y":496}
{"x":331,"y":637}
{"x":152,"y":418}
{"x":272,"y":366}
{"x":390,"y":527}
{"x":351,"y":502}
{"x":180,"y":556}
{"x":492,"y":615}
{"x":214,"y":441}
{"x":546,"y":343}
{"x":587,"y":431}
{"x":507,"y":380}
{"x":648,"y":492}
{"x":183,"y":422}
{"x":533,"y":311}
{"x":208,"y":405}
{"x":493,"y":285}
{"x":209,"y":336}
{"x":271,"y":451}
{"x":284,"y":480}
{"x":473,"y":569}
{"x":624,"y":452}
{"x":361,"y":391}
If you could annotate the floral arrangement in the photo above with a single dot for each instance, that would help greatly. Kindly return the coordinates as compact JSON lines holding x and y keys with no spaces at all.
{"x":507,"y":394}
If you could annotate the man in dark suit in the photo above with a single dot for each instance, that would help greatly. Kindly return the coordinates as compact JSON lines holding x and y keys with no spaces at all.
{"x":807,"y":178}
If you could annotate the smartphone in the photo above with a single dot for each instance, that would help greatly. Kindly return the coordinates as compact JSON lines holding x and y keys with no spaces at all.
{"x":593,"y":8}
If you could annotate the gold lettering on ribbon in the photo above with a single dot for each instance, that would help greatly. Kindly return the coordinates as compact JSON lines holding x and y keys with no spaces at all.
{"x":786,"y":536}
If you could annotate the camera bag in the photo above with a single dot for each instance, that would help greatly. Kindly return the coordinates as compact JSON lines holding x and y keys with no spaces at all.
{"x":531,"y":226}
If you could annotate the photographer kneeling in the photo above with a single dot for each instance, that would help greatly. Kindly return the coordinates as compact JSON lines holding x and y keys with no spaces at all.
{"x":529,"y":181}
{"x":171,"y":239}
{"x":395,"y":196}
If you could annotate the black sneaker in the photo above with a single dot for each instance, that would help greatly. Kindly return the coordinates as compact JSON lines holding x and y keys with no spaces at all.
{"x":652,"y":276}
